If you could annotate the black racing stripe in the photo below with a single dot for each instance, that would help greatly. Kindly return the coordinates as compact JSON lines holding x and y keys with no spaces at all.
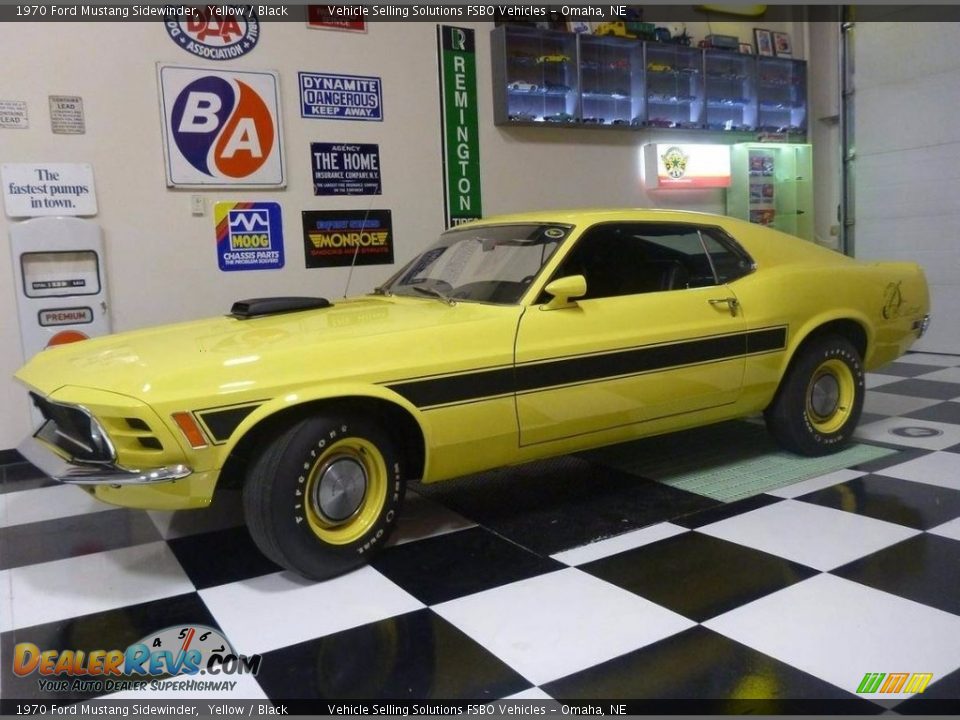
{"x":760,"y":341}
{"x":222,"y":423}
{"x":628,"y":362}
{"x":471,"y":386}
{"x":456,"y":388}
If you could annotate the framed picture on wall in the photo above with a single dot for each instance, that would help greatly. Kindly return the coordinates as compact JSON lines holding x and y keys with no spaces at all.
{"x":781,"y":44}
{"x":763,"y":40}
{"x":746,"y":49}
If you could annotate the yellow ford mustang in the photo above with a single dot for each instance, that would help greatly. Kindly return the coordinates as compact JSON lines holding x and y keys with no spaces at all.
{"x":508,"y":340}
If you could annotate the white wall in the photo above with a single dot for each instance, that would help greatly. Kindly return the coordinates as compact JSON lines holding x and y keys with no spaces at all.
{"x":161,"y":261}
{"x":824,"y":128}
{"x":907,"y":171}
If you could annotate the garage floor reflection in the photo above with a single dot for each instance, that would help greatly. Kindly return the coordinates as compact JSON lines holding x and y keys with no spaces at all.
{"x":567,"y":579}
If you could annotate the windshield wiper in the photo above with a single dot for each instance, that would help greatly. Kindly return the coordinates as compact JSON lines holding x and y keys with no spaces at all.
{"x":433,"y":292}
{"x":381,"y":290}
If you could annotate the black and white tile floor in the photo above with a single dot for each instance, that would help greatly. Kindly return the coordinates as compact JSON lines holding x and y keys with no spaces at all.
{"x":500,"y":589}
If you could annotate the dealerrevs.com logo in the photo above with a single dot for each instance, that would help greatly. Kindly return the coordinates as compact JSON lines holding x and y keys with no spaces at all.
{"x":221,"y":128}
{"x":217,"y":32}
{"x":154,"y":662}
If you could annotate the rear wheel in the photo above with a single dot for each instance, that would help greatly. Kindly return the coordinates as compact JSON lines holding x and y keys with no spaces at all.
{"x":819,"y":401}
{"x":324,"y":494}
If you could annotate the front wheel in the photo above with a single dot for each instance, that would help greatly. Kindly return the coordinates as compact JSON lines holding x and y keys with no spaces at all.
{"x":323,"y":495}
{"x":819,"y":401}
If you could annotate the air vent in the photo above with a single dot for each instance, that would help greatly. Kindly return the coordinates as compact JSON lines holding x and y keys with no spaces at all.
{"x":255,"y":307}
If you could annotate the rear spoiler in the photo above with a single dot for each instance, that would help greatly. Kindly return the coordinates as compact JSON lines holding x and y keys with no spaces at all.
{"x":255,"y":307}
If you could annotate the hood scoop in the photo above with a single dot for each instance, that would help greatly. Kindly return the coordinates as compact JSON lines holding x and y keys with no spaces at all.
{"x":255,"y":307}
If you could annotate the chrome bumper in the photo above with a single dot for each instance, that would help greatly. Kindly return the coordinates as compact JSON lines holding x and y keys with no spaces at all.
{"x":58,"y":468}
{"x":920,"y":326}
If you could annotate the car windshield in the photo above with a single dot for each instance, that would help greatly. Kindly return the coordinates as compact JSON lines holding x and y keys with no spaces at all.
{"x":493,"y":264}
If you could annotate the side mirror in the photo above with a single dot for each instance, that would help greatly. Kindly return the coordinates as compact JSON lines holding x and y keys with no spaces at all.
{"x":564,"y":290}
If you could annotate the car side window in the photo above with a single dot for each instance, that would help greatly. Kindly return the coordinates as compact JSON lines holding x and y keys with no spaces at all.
{"x":632,"y":258}
{"x":729,"y":261}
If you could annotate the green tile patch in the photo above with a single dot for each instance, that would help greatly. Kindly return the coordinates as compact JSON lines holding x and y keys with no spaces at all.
{"x":726,"y":462}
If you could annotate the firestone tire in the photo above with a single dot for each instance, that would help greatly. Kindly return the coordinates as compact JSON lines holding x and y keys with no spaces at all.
{"x":324,"y":495}
{"x":819,"y":401}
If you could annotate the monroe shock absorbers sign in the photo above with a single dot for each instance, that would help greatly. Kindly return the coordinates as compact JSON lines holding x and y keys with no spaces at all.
{"x":341,"y":238}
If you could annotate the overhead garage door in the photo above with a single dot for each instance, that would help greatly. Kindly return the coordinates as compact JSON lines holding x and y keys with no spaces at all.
{"x":907,"y":168}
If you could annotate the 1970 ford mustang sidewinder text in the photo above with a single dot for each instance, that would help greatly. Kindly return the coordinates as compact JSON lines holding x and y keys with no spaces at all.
{"x":508,"y":340}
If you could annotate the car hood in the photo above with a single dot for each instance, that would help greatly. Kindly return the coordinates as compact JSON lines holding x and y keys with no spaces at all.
{"x":359,"y":338}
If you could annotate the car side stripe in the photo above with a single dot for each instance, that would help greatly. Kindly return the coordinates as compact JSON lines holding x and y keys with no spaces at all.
{"x":221,"y":423}
{"x":541,"y":374}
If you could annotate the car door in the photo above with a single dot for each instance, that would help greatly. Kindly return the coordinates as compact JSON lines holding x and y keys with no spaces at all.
{"x":658,"y":333}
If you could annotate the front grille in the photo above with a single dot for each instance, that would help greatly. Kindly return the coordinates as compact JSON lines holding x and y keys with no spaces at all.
{"x":73,"y":431}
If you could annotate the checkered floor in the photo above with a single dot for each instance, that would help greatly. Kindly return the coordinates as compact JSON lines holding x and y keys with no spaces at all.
{"x":504,"y":588}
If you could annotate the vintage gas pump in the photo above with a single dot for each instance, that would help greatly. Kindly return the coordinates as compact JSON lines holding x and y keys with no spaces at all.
{"x":61,"y":283}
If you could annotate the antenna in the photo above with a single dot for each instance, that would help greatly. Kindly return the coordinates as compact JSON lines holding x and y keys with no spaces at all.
{"x":363,"y":226}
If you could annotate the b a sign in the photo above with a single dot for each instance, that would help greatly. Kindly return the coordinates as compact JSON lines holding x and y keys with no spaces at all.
{"x":221,"y":128}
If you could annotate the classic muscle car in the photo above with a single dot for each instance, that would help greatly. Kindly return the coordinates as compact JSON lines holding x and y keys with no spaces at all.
{"x":508,"y":340}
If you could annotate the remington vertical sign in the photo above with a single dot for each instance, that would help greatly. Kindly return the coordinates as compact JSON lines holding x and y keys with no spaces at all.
{"x":461,"y":141}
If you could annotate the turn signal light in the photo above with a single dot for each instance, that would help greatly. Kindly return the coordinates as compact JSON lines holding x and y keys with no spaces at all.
{"x":191,"y":431}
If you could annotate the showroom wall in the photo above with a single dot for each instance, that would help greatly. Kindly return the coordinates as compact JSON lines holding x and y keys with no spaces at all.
{"x":160,"y":259}
{"x":907,"y":91}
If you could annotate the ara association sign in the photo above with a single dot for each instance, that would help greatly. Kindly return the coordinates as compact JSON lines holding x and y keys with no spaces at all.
{"x":216,"y":32}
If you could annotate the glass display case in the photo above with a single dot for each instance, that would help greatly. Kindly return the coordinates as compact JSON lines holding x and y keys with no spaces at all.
{"x":674,"y":83}
{"x":550,"y":77}
{"x":730,"y":90}
{"x":539,"y":75}
{"x":611,"y":81}
{"x":781,"y":95}
{"x":772,"y":184}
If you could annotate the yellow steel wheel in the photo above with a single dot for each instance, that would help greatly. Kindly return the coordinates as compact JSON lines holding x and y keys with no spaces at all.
{"x":345,"y":490}
{"x":323,"y":494}
{"x":830,"y":395}
{"x":817,"y":406}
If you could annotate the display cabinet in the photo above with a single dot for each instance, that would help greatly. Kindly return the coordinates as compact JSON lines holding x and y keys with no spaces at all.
{"x":537,"y":78}
{"x":729,"y":90}
{"x":772,"y":184}
{"x":674,"y":86}
{"x":557,"y":78}
{"x":781,"y":95}
{"x":611,"y":81}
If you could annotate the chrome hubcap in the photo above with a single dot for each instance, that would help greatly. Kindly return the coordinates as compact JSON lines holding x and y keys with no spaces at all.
{"x":825,"y":396}
{"x":339,"y":492}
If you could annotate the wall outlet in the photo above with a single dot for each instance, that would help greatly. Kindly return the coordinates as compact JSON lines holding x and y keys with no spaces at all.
{"x":198,"y":205}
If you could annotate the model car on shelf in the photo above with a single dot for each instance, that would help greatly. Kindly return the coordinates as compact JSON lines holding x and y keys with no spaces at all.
{"x":523,"y":86}
{"x":660,"y":123}
{"x":508,"y":340}
{"x":560,"y":117}
{"x":592,"y":121}
{"x":523,"y":117}
{"x":659,"y":67}
{"x":556,"y":87}
{"x":553,"y":58}
{"x":521,"y":58}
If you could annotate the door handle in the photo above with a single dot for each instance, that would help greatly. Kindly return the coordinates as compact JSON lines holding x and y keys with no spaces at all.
{"x":730,"y":302}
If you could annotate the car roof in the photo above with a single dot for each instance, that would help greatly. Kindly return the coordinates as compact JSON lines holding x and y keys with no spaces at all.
{"x":590,"y":216}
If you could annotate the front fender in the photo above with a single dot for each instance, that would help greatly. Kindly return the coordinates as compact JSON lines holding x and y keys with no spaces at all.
{"x":319,"y":394}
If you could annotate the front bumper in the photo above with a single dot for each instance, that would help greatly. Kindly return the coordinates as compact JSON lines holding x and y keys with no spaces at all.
{"x":63,"y":470}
